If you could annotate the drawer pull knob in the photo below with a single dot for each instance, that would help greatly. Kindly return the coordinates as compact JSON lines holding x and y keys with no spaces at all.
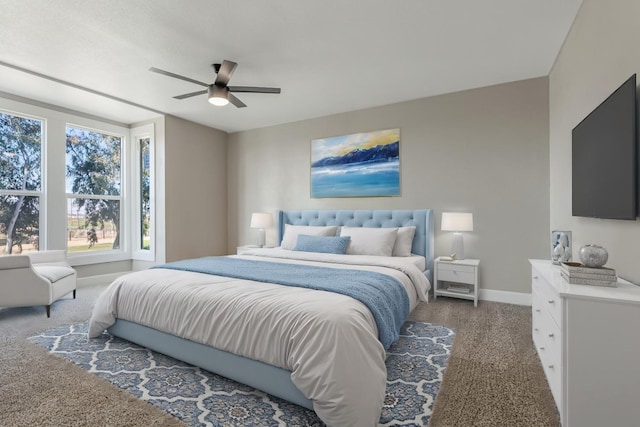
{"x":550,"y":335}
{"x":537,"y":310}
{"x":541,"y":348}
{"x":535,"y":277}
{"x":550,"y":366}
{"x":536,"y":329}
{"x":551,"y":301}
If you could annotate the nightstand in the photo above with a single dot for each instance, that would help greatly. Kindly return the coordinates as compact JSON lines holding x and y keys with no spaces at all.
{"x":457,"y":279}
{"x":241,"y":250}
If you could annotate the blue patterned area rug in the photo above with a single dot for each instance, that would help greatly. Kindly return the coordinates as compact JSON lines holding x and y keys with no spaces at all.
{"x":415,"y":366}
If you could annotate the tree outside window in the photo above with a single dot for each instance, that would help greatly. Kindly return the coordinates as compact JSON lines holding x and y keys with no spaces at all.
{"x":93,"y":190}
{"x":20,"y":183}
{"x":145,"y":193}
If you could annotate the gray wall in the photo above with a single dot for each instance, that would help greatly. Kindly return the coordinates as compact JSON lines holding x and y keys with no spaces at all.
{"x":195,"y":190}
{"x":90,"y":270}
{"x":483,"y":151}
{"x":601,"y":51}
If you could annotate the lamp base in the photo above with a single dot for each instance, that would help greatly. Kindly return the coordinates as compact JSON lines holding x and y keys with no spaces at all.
{"x":261,"y":237}
{"x":457,"y":245}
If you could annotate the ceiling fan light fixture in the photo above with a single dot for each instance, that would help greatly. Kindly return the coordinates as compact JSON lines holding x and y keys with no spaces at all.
{"x":218,"y":92}
{"x":218,"y":96}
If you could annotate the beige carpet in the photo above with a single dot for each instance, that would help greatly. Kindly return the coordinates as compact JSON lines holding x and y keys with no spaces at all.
{"x":38,"y":389}
{"x":494,"y":377}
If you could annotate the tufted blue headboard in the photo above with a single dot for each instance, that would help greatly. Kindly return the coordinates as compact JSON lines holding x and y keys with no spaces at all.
{"x":423,"y":242}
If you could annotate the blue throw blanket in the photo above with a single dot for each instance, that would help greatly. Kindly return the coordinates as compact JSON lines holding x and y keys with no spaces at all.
{"x":385,"y":297}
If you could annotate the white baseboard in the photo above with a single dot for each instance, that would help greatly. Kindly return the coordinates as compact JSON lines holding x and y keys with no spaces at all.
{"x":517,"y":298}
{"x":102,"y":279}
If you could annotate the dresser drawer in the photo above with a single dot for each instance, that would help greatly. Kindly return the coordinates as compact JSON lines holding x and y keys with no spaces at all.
{"x":536,"y":320}
{"x":536,"y":282}
{"x":553,"y":339}
{"x":552,"y":303}
{"x":553,"y":363}
{"x":549,"y":300}
{"x":553,"y":372}
{"x":537,"y":333}
{"x":461,"y":273}
{"x":548,"y":342}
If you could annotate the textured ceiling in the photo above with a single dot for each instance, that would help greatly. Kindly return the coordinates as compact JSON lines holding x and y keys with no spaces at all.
{"x":327,"y":56}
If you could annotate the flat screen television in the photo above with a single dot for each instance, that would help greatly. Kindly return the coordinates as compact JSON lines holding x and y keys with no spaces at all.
{"x":605,"y":158}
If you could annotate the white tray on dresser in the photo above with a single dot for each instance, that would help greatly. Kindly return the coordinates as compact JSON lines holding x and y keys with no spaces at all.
{"x":588,"y":340}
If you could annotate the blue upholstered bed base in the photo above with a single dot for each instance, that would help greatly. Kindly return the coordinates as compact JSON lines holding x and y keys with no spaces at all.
{"x":270,"y":379}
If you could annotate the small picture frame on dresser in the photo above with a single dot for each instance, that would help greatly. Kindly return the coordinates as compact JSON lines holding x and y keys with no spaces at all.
{"x":561,"y":246}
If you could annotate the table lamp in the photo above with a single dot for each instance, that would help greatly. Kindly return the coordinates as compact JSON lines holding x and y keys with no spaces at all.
{"x":457,"y":222}
{"x":261,"y":221}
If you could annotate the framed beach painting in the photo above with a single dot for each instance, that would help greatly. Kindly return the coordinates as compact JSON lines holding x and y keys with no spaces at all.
{"x":360,"y":165}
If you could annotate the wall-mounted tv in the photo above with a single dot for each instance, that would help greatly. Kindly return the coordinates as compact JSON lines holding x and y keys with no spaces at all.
{"x":605,"y":158}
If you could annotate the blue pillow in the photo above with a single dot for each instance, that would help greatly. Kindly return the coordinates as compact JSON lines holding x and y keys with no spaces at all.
{"x":327,"y":245}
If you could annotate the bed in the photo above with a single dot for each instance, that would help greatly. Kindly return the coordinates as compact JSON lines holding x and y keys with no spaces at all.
{"x":321,"y":350}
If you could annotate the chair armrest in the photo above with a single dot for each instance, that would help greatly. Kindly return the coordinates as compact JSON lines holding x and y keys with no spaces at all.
{"x":8,"y":262}
{"x":21,"y":287}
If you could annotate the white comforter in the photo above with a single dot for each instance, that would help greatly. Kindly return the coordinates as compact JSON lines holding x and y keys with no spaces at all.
{"x":328,"y":341}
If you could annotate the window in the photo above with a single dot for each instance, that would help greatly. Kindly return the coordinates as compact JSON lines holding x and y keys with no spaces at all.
{"x":94,"y":190}
{"x":143,"y":193}
{"x":144,"y":149}
{"x":20,"y":183}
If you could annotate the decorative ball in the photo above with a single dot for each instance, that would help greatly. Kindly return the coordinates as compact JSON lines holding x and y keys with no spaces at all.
{"x":593,"y":255}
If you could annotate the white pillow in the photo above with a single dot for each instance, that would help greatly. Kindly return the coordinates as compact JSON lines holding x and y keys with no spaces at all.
{"x":370,"y":241}
{"x":404,"y":241}
{"x":291,"y":233}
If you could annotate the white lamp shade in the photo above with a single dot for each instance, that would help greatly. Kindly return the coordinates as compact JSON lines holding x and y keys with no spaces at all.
{"x":261,"y":220}
{"x":456,"y":221}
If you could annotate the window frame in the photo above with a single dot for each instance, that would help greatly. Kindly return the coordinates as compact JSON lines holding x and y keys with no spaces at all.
{"x":137,"y":253}
{"x":124,"y":251}
{"x":41,"y":194}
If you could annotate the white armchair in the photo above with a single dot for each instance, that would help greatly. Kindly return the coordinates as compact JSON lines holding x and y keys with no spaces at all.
{"x":39,"y":278}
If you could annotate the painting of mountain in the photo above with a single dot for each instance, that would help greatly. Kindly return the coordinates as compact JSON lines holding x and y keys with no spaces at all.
{"x":360,"y":165}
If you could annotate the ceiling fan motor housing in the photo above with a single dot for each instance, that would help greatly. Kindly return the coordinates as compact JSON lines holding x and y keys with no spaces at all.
{"x":215,"y":90}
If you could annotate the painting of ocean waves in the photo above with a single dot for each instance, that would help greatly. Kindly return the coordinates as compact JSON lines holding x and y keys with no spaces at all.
{"x":358,"y":165}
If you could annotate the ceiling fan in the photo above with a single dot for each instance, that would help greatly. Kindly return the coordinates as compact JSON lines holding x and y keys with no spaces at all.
{"x":219,"y":92}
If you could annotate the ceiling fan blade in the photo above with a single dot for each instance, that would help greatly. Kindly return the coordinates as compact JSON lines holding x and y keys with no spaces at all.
{"x":224,"y":74}
{"x":235,"y":101}
{"x":189,"y":95}
{"x":177,"y":76}
{"x":254,"y":89}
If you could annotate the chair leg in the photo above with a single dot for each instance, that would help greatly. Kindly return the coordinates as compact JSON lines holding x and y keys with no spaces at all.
{"x":48,"y":310}
{"x":74,"y":294}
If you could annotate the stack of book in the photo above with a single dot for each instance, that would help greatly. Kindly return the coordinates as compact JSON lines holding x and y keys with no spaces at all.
{"x":579,"y":274}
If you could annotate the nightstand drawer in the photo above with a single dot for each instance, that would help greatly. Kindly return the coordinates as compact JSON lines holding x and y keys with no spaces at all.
{"x":456,"y":275}
{"x":452,"y":266}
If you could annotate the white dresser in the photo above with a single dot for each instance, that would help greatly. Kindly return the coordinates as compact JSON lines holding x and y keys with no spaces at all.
{"x":588,"y":340}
